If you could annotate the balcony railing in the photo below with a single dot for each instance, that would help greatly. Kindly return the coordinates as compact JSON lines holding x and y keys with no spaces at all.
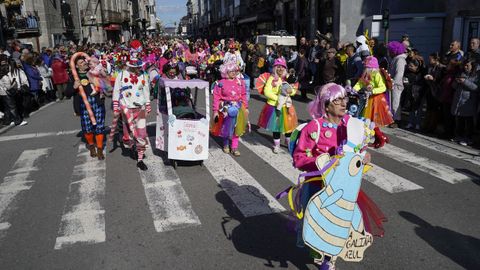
{"x":88,"y":17}
{"x":111,"y":16}
{"x":23,"y":26}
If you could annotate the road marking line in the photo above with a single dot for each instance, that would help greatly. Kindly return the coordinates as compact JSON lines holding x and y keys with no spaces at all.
{"x":441,"y":171}
{"x":282,"y":162}
{"x":378,"y":176}
{"x":18,"y":179}
{"x":445,"y":147}
{"x":83,"y":219}
{"x":168,"y":202}
{"x":37,"y":135}
{"x":246,"y":193}
{"x":389,"y":181}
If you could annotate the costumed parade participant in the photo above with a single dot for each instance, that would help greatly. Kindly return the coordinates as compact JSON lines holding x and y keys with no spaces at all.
{"x":277,"y":121}
{"x":333,"y":211}
{"x":230,"y":108}
{"x":93,"y":126}
{"x":131,"y":99}
{"x":372,"y":84}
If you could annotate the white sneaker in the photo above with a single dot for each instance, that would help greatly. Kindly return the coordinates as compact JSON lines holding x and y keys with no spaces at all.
{"x":12,"y":123}
{"x":276,"y":149}
{"x":23,"y":123}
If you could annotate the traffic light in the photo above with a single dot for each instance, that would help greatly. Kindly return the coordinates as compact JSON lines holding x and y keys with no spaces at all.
{"x":386,"y":18}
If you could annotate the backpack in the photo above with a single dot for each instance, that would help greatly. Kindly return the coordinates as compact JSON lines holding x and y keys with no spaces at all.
{"x":296,"y":135}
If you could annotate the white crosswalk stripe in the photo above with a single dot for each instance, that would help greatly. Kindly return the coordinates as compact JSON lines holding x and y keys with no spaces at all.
{"x":247,"y":194}
{"x":431,"y":167}
{"x":282,"y":161}
{"x":17,"y":181}
{"x":451,"y":149}
{"x":168,"y":202}
{"x":389,"y":181}
{"x":83,"y":219}
{"x":378,"y":176}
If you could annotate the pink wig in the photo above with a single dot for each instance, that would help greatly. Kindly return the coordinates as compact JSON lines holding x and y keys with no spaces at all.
{"x":396,"y":48}
{"x":227,"y":67}
{"x":326,"y":94}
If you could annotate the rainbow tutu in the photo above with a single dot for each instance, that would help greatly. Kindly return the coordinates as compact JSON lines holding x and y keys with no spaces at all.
{"x":232,"y":121}
{"x":283,"y":121}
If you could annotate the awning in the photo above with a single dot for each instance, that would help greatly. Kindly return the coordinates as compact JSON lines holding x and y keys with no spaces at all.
{"x":247,"y":20}
{"x":113,"y":27}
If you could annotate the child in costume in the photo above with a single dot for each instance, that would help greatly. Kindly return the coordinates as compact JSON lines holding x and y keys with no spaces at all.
{"x":230,"y":108}
{"x":373,"y":83}
{"x":283,"y":120}
{"x":98,"y":76}
{"x":321,"y":144}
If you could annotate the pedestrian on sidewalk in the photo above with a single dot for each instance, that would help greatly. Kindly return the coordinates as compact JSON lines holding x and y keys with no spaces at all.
{"x":432,"y":93}
{"x":93,"y":134}
{"x":412,"y":95}
{"x":282,"y":121}
{"x":465,"y":102}
{"x":397,"y":51}
{"x":10,"y":79}
{"x":59,"y":73}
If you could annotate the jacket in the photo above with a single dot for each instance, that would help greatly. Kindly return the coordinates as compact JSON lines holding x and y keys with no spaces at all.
{"x":465,"y":98}
{"x":377,"y":82}
{"x":60,"y":74}
{"x":34,"y":77}
{"x":229,"y":90}
{"x":272,"y":92}
{"x":131,"y":91}
{"x":397,"y":70}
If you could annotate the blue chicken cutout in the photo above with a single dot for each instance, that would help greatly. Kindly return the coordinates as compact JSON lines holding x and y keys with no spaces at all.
{"x":332,"y":217}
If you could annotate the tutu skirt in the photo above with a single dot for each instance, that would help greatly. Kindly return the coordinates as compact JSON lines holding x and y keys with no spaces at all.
{"x":227,"y":126}
{"x":378,"y":110}
{"x":283,"y":121}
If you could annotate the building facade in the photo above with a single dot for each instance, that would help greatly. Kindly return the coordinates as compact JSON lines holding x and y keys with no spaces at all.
{"x":425,"y":21}
{"x":45,"y":23}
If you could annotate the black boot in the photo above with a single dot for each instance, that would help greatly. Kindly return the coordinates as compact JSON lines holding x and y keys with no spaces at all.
{"x":142,"y":165}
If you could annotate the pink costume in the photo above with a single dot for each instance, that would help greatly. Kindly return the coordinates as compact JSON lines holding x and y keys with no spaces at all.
{"x":330,"y":137}
{"x":230,"y":95}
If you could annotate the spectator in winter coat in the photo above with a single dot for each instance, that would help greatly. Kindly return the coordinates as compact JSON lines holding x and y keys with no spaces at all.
{"x":60,"y":75}
{"x":413,"y":93}
{"x":474,"y":52}
{"x":353,"y":66}
{"x":314,"y":55}
{"x":47,"y":57}
{"x":465,"y":102}
{"x":301,"y":69}
{"x":397,"y":70}
{"x":454,"y":52}
{"x":432,"y":93}
{"x":331,"y":68}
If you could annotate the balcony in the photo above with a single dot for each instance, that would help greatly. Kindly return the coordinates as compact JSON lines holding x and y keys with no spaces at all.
{"x":23,"y":26}
{"x":89,"y":18}
{"x":111,"y":16}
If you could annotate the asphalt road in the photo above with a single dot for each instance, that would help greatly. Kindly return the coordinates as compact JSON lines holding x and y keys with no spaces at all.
{"x":61,"y":210}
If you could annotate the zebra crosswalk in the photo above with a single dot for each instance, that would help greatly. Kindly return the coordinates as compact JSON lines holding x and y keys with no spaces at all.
{"x":83,"y":220}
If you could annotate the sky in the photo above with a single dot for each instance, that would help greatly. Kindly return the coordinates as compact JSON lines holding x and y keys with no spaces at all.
{"x":170,"y":11}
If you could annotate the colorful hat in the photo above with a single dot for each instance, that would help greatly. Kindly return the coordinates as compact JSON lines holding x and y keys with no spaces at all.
{"x":280,"y":62}
{"x":135,"y":54}
{"x":371,"y":62}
